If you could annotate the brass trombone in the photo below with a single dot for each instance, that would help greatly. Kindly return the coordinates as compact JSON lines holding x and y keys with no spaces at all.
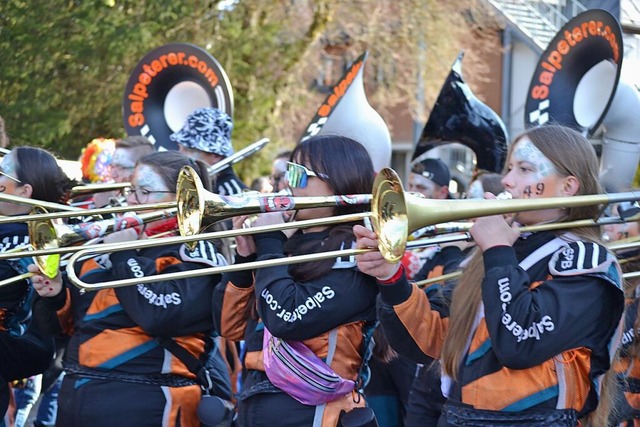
{"x":394,"y":214}
{"x":35,"y":202}
{"x":198,"y":208}
{"x":237,"y":156}
{"x":631,"y":243}
{"x":84,"y":189}
{"x":51,"y":239}
{"x":42,"y":216}
{"x":397,"y":213}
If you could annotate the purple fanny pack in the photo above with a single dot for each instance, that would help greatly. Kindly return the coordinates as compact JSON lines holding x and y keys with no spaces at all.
{"x":295,"y":369}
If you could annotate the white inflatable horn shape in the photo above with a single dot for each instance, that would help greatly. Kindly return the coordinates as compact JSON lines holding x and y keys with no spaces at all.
{"x":352,"y":116}
{"x":621,"y":139}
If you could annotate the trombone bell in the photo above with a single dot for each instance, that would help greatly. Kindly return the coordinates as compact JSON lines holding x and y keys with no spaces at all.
{"x":42,"y":234}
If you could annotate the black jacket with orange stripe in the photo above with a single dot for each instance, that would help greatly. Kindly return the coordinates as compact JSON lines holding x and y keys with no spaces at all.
{"x":543,"y":332}
{"x":107,"y":324}
{"x":307,"y":311}
{"x":113,"y":330}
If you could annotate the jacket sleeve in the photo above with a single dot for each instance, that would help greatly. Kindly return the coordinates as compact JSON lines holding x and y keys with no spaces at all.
{"x":53,"y":314}
{"x":231,"y":299}
{"x":167,"y":307}
{"x":579,"y":305}
{"x":413,"y":327}
{"x":301,"y":310}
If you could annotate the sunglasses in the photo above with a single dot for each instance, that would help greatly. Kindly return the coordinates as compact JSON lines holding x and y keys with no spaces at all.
{"x":298,"y":175}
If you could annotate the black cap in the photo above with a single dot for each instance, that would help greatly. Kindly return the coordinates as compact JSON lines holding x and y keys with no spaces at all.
{"x":434,"y":169}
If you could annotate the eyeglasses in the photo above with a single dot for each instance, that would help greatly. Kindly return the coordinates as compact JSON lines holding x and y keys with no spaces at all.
{"x":3,"y":173}
{"x":298,"y":175}
{"x":142,"y":193}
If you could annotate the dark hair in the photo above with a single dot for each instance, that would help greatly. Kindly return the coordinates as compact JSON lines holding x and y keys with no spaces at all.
{"x":349,"y":170}
{"x":346,"y":163}
{"x":135,"y":141}
{"x":286,"y":154}
{"x":169,"y":163}
{"x":491,"y":182}
{"x":39,"y":169}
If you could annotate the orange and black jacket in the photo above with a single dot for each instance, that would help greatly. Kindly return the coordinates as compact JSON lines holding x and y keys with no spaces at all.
{"x":113,"y":330}
{"x":628,"y":365}
{"x":543,"y":333}
{"x":344,"y":298}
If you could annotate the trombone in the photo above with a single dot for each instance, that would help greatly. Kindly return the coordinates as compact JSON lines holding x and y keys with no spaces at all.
{"x":199,"y":208}
{"x":51,"y":239}
{"x":236,"y":157}
{"x":84,"y":189}
{"x":394,"y":214}
{"x":35,"y":202}
{"x":631,"y":243}
{"x":85,"y":212}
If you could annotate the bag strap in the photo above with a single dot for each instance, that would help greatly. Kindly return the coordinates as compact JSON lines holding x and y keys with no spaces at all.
{"x":364,"y":374}
{"x":192,"y":363}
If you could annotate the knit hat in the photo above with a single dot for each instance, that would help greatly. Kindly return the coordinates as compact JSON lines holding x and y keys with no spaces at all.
{"x":434,"y":169}
{"x":206,"y":129}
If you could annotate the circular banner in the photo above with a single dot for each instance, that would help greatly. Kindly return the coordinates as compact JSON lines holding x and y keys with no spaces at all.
{"x":167,"y":85}
{"x":577,"y":75}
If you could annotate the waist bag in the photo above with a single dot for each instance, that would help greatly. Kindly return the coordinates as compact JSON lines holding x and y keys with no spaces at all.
{"x":295,"y":369}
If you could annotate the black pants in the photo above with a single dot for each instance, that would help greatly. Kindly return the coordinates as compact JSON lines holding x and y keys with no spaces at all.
{"x":103,"y":403}
{"x":425,"y":399}
{"x":24,"y":356}
{"x":274,"y":409}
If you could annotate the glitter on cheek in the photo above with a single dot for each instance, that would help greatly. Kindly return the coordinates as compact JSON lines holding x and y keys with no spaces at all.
{"x":146,"y":177}
{"x":123,"y":158}
{"x":526,"y":151}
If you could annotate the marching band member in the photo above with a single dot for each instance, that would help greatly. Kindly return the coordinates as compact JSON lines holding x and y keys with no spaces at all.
{"x":278,"y":171}
{"x":128,"y":151}
{"x":118,"y":372}
{"x":25,"y":350}
{"x":206,"y":135}
{"x":533,"y":317}
{"x":324,"y":305}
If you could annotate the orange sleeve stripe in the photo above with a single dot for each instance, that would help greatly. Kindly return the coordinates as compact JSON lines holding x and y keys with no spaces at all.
{"x":234,"y":311}
{"x":425,"y":326}
{"x":65,"y":316}
{"x":164,"y":262}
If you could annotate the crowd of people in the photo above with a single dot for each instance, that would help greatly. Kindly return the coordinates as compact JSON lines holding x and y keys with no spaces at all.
{"x":537,"y":330}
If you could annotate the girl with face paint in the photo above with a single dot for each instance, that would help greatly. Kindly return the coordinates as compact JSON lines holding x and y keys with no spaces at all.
{"x":529,"y":334}
{"x":117,"y":373}
{"x":25,"y":350}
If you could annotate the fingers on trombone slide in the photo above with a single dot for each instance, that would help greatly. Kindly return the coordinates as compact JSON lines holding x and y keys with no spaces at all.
{"x":45,"y":286}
